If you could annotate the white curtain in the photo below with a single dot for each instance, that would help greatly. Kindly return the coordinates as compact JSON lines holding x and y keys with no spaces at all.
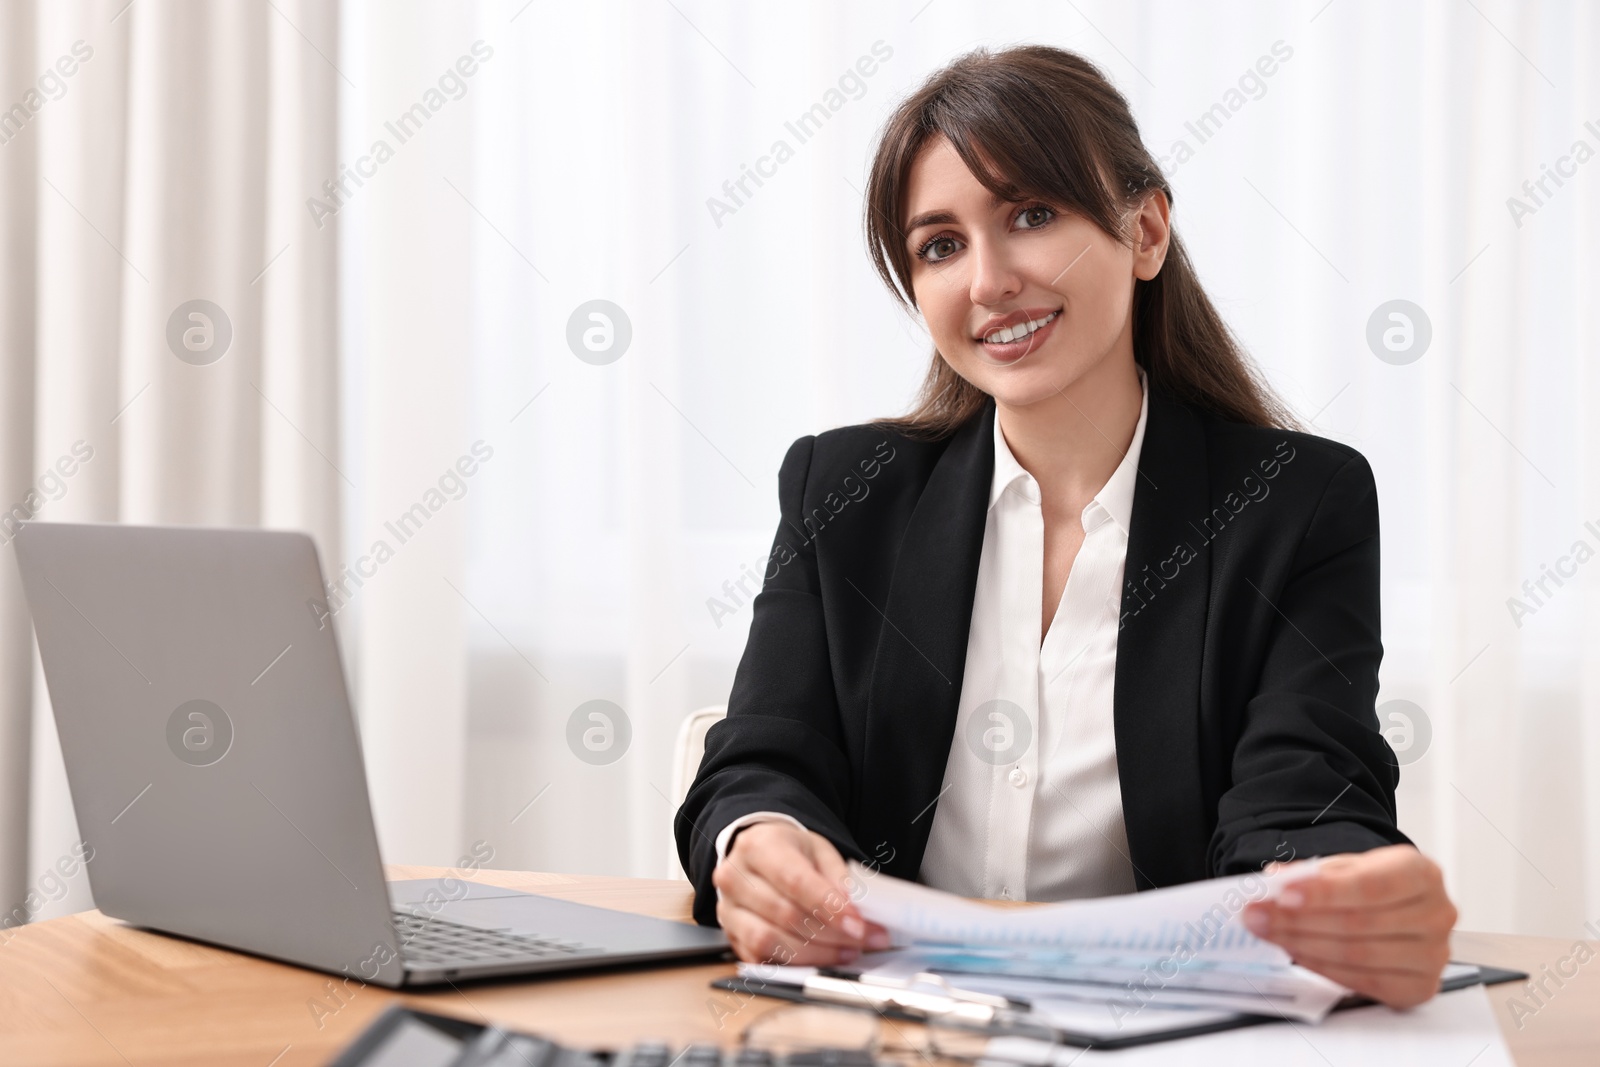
{"x":627,"y":152}
{"x":158,"y":159}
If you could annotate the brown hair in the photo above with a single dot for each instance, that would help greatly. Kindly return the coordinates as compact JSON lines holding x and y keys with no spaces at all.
{"x":1052,"y":125}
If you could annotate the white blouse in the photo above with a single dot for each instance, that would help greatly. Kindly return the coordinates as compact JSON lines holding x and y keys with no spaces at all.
{"x":1031,"y":807}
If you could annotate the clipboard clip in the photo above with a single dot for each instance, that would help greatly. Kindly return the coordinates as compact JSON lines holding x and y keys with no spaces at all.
{"x":969,"y":996}
{"x":952,"y":1006}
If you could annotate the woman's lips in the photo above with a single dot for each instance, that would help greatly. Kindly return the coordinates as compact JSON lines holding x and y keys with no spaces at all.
{"x":1011,"y":351}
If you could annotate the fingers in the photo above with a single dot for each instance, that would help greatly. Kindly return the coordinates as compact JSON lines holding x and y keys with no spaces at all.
{"x":1400,"y":971}
{"x":1397,"y":989}
{"x":755,"y":940}
{"x":1377,"y":922}
{"x":1382,"y":876}
{"x":759,"y":896}
{"x":1426,"y":916}
{"x":1413,"y":955}
{"x":829,"y":864}
{"x":1390,"y":894}
{"x":835,"y":869}
{"x":781,"y":901}
{"x":785,"y":861}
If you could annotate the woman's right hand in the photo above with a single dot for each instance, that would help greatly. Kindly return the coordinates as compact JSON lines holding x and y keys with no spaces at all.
{"x":785,"y":899}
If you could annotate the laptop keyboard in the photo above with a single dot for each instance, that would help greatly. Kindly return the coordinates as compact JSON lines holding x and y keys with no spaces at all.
{"x":428,"y":939}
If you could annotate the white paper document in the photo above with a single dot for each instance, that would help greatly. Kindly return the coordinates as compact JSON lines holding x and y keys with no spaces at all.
{"x":1122,"y":961}
{"x":1202,"y":915}
{"x":1451,"y":1030}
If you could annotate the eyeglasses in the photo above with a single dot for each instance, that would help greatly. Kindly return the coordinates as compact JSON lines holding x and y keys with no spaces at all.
{"x":812,"y":1035}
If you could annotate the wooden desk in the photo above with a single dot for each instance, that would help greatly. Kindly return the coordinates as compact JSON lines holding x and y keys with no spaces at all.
{"x":86,"y":989}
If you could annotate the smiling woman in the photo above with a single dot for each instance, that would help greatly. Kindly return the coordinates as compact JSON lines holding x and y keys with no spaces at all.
{"x":1038,"y":175}
{"x":972,"y":673}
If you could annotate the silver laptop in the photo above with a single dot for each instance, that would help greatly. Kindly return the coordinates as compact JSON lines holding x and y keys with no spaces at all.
{"x":227,"y":802}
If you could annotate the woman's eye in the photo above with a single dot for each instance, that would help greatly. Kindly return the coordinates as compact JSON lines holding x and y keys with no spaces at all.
{"x":938,"y":249}
{"x":1034,"y":217}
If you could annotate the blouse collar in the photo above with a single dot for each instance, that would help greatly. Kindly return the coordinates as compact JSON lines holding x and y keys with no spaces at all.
{"x":1115,"y":498}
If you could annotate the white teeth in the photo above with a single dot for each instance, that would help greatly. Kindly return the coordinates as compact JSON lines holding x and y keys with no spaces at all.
{"x":1012,"y":333}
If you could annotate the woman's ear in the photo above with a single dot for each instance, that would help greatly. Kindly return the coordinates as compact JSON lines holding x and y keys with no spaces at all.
{"x":1152,"y":230}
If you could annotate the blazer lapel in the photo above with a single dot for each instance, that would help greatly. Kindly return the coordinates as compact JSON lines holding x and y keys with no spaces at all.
{"x":1161,"y":637}
{"x":922,"y":651}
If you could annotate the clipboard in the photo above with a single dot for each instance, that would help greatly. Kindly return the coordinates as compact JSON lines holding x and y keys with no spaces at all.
{"x":956,"y":1015}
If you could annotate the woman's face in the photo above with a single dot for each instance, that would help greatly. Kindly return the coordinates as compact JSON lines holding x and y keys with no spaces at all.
{"x":1022,"y":299}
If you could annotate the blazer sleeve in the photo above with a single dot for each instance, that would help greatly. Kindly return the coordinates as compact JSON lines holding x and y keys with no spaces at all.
{"x":1311,"y":774}
{"x":781,"y":746}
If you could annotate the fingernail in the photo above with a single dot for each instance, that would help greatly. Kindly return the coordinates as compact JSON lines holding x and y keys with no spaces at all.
{"x":854,"y":927}
{"x":1256,"y":921}
{"x":847,"y":955}
{"x":878,"y":940}
{"x":1291,"y":898}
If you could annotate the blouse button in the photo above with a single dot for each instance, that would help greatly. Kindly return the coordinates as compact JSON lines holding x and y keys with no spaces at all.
{"x":1018,"y":777}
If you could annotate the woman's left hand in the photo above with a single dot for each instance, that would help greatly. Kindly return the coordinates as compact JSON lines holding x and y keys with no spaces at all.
{"x":1377,"y":922}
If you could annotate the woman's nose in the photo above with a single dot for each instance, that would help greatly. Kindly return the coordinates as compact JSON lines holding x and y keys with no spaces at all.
{"x":994,"y":276}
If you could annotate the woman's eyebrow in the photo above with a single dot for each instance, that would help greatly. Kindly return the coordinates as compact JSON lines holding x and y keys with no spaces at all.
{"x":945,"y":215}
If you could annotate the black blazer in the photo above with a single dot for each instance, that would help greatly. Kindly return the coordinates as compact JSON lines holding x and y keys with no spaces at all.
{"x":1247,"y":652}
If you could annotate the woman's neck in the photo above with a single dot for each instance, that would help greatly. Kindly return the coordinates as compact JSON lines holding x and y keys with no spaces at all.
{"x":1072,"y":442}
